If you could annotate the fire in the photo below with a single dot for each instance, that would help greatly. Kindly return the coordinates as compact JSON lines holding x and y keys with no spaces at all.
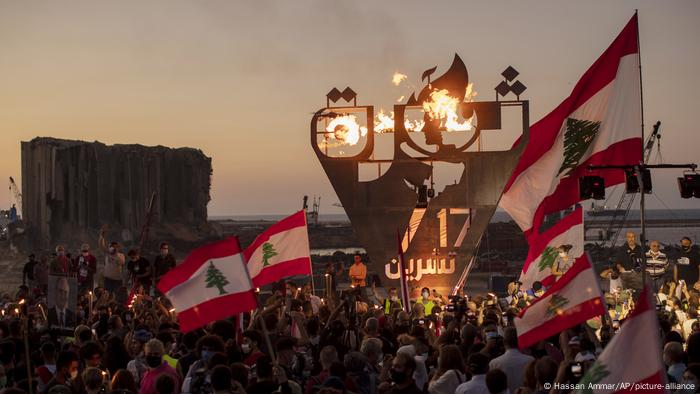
{"x":443,"y":107}
{"x":346,"y":130}
{"x":385,"y":123}
{"x":398,"y":78}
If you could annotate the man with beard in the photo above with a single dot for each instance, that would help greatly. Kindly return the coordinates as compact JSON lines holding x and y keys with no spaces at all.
{"x":686,"y":266}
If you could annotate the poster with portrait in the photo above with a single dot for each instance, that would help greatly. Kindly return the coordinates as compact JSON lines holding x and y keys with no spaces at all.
{"x":62,"y":302}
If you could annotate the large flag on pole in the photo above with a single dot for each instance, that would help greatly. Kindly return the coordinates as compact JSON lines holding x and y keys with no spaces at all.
{"x":599,"y":123}
{"x":544,"y":250}
{"x":631,"y":362}
{"x":211,"y":284}
{"x":280,"y":251}
{"x":573,"y":299}
{"x":405,"y":297}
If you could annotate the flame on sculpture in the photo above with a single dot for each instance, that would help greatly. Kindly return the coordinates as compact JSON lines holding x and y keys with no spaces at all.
{"x":345,"y":130}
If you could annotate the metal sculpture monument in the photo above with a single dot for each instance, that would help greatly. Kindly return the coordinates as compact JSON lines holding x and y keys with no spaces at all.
{"x":441,"y":229}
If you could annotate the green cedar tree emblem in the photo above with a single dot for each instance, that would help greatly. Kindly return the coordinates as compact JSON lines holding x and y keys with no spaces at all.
{"x":578,"y":137}
{"x":215,"y":278}
{"x":594,"y":375}
{"x":555,"y":303}
{"x":549,"y":256}
{"x":268,"y":252}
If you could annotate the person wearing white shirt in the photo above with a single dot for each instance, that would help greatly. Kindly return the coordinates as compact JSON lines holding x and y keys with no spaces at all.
{"x":478,"y":366}
{"x":512,"y":362}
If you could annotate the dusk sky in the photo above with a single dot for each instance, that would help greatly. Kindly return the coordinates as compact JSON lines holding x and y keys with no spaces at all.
{"x":240,"y":80}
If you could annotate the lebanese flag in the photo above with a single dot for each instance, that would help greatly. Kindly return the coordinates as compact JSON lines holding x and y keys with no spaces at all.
{"x":598,"y":124}
{"x":632,"y":362}
{"x":211,"y":284}
{"x":280,"y":251}
{"x":543,"y":252}
{"x":571,"y":300}
{"x":405,"y":298}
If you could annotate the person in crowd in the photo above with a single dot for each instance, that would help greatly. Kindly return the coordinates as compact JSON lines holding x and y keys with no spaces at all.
{"x":450,"y":373}
{"x":47,"y":370}
{"x":85,"y":267}
{"x":686,"y":266}
{"x":140,"y":270}
{"x":250,"y":347}
{"x":28,"y":271}
{"x":154,"y":350}
{"x":673,"y":358}
{"x":358,"y":272}
{"x":401,"y":373}
{"x":656,"y":265}
{"x":497,"y":382}
{"x":66,"y":371}
{"x":123,"y":382}
{"x":164,"y":262}
{"x":425,"y":300}
{"x":478,"y":366}
{"x":60,"y":264}
{"x":563,"y":261}
{"x":629,"y":256}
{"x":113,"y":265}
{"x":94,"y":380}
{"x":327,"y":357}
{"x":512,"y":362}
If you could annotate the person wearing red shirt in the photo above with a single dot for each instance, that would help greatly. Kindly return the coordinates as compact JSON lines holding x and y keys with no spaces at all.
{"x":251,"y":347}
{"x":154,"y":350}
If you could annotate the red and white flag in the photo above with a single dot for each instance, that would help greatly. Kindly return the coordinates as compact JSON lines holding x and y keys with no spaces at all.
{"x":405,"y":297}
{"x":280,"y":251}
{"x":599,"y":123}
{"x":631,"y":362}
{"x":571,"y":300}
{"x":211,"y":284}
{"x":544,"y":250}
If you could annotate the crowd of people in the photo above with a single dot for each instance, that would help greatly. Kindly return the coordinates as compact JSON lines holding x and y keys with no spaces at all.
{"x":124,"y":336}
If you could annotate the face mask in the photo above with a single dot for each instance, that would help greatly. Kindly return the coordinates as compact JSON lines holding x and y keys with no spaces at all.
{"x":686,"y":248}
{"x":74,"y":374}
{"x":425,"y":295}
{"x":112,"y":249}
{"x":398,"y":377}
{"x":668,"y":308}
{"x":206,"y":355}
{"x":562,"y":254}
{"x":85,"y":254}
{"x":245,"y":348}
{"x":315,"y":340}
{"x":154,"y":361}
{"x":394,"y":298}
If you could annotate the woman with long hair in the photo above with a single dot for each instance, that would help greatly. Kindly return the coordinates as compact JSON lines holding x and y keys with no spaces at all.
{"x":450,"y":372}
{"x":123,"y":382}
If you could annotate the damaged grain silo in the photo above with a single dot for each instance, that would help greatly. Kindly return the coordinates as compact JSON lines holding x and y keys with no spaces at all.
{"x":71,"y":189}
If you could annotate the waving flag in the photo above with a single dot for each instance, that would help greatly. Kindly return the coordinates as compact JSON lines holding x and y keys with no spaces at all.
{"x":280,"y":251}
{"x":544,"y":249}
{"x":211,"y":284}
{"x":631,"y":362}
{"x":573,"y":299}
{"x":599,"y":123}
{"x":405,"y":298}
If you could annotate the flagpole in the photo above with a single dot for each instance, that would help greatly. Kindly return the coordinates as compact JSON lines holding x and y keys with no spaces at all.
{"x":640,"y":177}
{"x":311,"y":265}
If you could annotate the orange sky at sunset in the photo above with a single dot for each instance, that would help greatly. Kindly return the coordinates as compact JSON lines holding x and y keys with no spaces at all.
{"x":240,"y":80}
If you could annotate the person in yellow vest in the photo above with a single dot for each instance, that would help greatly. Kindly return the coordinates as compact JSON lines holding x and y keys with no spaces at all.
{"x":392,"y":300}
{"x":428,"y":304}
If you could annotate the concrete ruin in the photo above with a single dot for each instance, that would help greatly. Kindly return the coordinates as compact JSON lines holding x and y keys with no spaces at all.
{"x":71,"y":188}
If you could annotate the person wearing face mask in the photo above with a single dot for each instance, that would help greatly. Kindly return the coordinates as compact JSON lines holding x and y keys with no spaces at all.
{"x":164,"y":262}
{"x":154,"y":350}
{"x":402,"y":368}
{"x":250,"y":347}
{"x":691,"y":379}
{"x":85,"y":267}
{"x":113,"y":266}
{"x":392,"y":299}
{"x":60,"y":265}
{"x":66,"y":372}
{"x":206,"y":347}
{"x":687,"y":264}
{"x":425,"y":300}
{"x":562,"y":262}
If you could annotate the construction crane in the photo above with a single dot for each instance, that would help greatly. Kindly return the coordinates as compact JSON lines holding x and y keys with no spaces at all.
{"x":16,"y":194}
{"x":623,"y":206}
